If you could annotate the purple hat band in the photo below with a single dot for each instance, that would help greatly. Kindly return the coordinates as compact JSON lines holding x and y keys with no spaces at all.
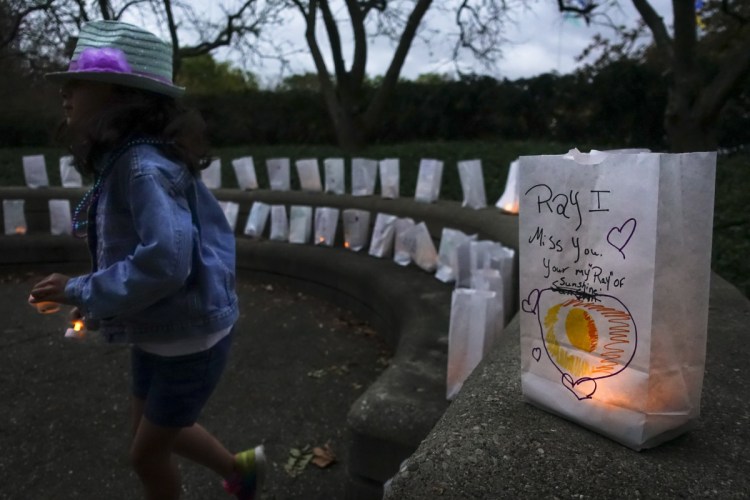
{"x":106,"y":60}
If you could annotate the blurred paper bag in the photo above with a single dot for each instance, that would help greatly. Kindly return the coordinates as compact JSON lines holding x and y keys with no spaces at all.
{"x":381,"y":243}
{"x":326,"y":221}
{"x":231,"y":211}
{"x":335,"y":175}
{"x":309,"y":174}
{"x":35,"y":171}
{"x":472,"y":183}
{"x":211,"y":175}
{"x":428,"y":182}
{"x":278,"y":173}
{"x":614,"y":276}
{"x":364,"y":174}
{"x":14,"y":217}
{"x":401,"y":251}
{"x":473,"y":328}
{"x":257,"y":220}
{"x":421,"y":248}
{"x":356,"y":228}
{"x":244,"y":170}
{"x":389,"y":177}
{"x":279,"y":223}
{"x":509,"y":199}
{"x":69,"y":176}
{"x":450,"y":240}
{"x":59,"y":217}
{"x":300,"y":224}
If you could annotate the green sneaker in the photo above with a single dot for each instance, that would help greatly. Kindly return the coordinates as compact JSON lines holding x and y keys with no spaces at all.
{"x":246,"y":482}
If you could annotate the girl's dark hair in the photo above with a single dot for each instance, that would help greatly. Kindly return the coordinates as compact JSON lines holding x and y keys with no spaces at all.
{"x":139,"y":113}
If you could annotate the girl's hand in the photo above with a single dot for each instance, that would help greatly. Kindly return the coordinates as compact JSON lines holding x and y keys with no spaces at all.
{"x":50,"y":289}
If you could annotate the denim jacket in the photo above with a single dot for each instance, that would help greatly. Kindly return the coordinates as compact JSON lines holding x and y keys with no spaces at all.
{"x":163,"y":254}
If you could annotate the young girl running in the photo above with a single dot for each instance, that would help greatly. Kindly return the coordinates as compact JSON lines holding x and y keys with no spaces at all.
{"x":163,"y":253}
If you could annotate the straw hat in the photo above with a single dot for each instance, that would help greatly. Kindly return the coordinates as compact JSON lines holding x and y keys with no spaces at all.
{"x":122,"y":54}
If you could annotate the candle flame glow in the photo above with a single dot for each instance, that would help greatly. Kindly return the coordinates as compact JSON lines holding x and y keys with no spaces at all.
{"x":346,"y":244}
{"x":78,"y":325}
{"x":511,"y":207}
{"x":20,"y":230}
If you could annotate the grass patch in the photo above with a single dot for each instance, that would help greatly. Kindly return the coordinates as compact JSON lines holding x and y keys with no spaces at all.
{"x":731,"y":237}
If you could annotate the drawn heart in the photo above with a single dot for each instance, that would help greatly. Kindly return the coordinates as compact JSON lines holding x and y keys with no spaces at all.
{"x":619,"y":237}
{"x":536,"y":353}
{"x":583,"y":388}
{"x":530,"y":303}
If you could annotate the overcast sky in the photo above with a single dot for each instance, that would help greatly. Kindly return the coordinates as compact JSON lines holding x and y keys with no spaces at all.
{"x":540,"y":40}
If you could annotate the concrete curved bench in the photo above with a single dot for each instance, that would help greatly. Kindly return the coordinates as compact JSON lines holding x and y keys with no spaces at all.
{"x":409,"y":307}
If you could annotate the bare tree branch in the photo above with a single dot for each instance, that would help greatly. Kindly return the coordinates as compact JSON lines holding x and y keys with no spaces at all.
{"x":18,"y":19}
{"x":656,"y":24}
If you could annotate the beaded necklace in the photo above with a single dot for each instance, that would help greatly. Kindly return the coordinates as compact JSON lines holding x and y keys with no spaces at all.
{"x":81,"y":212}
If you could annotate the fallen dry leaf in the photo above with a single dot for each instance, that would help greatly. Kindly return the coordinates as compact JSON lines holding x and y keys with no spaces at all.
{"x":323,"y":456}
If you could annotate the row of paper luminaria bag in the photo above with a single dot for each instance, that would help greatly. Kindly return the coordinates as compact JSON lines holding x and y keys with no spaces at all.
{"x":364,"y":175}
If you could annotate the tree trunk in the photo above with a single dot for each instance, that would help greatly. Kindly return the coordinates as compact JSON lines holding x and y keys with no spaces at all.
{"x":351,"y":133}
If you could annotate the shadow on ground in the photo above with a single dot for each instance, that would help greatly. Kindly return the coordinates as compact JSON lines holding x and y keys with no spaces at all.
{"x":297,"y":365}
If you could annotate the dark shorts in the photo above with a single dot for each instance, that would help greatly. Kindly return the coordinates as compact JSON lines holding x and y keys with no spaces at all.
{"x":175,"y":388}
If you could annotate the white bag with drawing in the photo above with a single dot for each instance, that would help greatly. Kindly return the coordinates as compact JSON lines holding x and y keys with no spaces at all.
{"x":335,"y":175}
{"x":279,"y":223}
{"x":309,"y":174}
{"x":326,"y":222}
{"x":614,"y":278}
{"x":474,"y":327}
{"x":429,"y":180}
{"x":356,"y":228}
{"x":257,"y":220}
{"x":390,"y":177}
{"x":472,"y":183}
{"x":244,"y":170}
{"x":381,"y":243}
{"x":278,"y":173}
{"x":364,"y":175}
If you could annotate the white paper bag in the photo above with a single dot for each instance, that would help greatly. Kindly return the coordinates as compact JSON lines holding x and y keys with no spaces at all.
{"x":472,"y":331}
{"x":450,"y":240}
{"x":309,"y":174}
{"x":390,"y":177}
{"x":244,"y":170}
{"x":364,"y":175}
{"x":421,"y":248}
{"x":257,"y":219}
{"x":69,"y":176}
{"x":509,"y":199}
{"x":59,"y":217}
{"x":492,"y":280}
{"x":401,"y":250}
{"x":35,"y":171}
{"x":614,"y":270}
{"x":279,"y":223}
{"x":14,"y":217}
{"x":326,"y":222}
{"x":335,"y":176}
{"x":381,"y":243}
{"x":356,"y":228}
{"x":211,"y":175}
{"x":300,"y":224}
{"x":231,"y":211}
{"x":472,"y":183}
{"x":278,"y":173}
{"x":428,"y":182}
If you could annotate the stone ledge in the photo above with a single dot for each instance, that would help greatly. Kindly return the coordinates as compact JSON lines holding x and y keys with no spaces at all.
{"x":490,"y":444}
{"x":408,"y":306}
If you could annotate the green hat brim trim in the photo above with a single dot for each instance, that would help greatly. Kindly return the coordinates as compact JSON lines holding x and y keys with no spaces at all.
{"x":124,"y":79}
